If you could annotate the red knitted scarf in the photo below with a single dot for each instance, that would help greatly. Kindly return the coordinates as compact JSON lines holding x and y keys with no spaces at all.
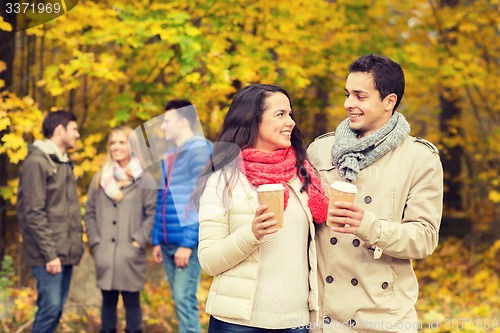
{"x":279,"y":167}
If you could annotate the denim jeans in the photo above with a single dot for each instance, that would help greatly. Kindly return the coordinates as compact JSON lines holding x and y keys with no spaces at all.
{"x":52,"y":294}
{"x":218,"y":326}
{"x":183,"y":283}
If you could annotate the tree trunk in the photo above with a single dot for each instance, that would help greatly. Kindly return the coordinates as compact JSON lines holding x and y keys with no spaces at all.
{"x":452,"y":155}
{"x":450,"y":115}
{"x":320,"y":118}
{"x":7,"y":47}
{"x":41,"y":68}
{"x":71,"y":100}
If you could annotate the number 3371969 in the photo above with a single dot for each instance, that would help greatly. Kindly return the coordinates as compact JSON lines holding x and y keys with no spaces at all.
{"x":26,"y":7}
{"x":463,"y":323}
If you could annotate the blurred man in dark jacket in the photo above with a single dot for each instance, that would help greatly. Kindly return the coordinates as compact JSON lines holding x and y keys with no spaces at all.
{"x":49,"y":216}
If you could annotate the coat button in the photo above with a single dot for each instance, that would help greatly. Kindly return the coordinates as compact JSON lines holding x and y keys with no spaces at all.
{"x":368,"y":199}
{"x":327,"y":320}
{"x":355,"y":242}
{"x":329,"y":279}
{"x":351,"y":323}
{"x":114,"y":204}
{"x":114,"y":222}
{"x":333,"y":240}
{"x":113,"y":240}
{"x":385,"y":285}
{"x":354,"y":282}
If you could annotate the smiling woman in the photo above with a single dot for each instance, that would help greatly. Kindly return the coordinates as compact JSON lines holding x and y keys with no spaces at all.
{"x":119,"y":217}
{"x":118,"y":148}
{"x":275,"y":129}
{"x":239,"y":242}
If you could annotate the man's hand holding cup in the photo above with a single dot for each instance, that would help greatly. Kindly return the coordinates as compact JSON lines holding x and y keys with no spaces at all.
{"x":343,"y":215}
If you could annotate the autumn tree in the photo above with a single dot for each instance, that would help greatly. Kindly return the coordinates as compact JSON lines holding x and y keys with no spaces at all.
{"x":116,"y":62}
{"x":6,"y":59}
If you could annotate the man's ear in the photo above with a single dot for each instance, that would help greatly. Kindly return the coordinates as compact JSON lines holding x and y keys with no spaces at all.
{"x":58,"y":131}
{"x":390,"y":101}
{"x":184,"y":122}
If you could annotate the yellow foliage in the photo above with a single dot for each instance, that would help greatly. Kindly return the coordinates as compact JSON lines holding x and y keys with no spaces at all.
{"x":5,"y":26}
{"x":11,"y":141}
{"x":494,"y":196}
{"x":464,"y":295}
{"x":17,"y":155}
{"x":433,"y":316}
{"x":121,"y":60}
{"x":4,"y":121}
{"x":20,"y":117}
{"x":468,"y":311}
{"x":495,"y":248}
{"x":481,"y":276}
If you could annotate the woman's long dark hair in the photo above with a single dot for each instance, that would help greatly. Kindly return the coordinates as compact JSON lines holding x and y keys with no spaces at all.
{"x":241,"y":128}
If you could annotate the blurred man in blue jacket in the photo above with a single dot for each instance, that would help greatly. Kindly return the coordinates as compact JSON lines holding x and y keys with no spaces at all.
{"x":175,"y":232}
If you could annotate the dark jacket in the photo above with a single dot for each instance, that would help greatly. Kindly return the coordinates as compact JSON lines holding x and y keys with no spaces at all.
{"x":112,"y":227}
{"x":48,"y":210}
{"x":174,"y":222}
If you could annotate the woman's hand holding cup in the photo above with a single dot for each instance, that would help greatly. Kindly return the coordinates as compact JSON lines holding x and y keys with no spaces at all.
{"x":263,"y":223}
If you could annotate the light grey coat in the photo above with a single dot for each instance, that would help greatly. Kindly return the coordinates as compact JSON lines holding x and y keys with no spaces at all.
{"x":111,"y":229}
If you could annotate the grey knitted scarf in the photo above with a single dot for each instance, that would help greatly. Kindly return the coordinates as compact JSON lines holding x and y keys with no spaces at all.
{"x":352,"y":154}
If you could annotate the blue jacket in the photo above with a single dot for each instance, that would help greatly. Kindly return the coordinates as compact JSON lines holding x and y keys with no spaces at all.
{"x":174,"y":222}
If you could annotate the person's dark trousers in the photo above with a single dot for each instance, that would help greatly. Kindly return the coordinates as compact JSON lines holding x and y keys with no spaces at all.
{"x":52,"y":294}
{"x":133,"y":312}
{"x":219,"y":326}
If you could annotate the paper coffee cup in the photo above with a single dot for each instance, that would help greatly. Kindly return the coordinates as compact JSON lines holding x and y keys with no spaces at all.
{"x":340,"y":191}
{"x":273,"y":195}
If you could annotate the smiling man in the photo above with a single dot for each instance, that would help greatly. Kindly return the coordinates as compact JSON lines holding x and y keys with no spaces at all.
{"x":175,"y":231}
{"x":366,"y":279}
{"x":48,"y":212}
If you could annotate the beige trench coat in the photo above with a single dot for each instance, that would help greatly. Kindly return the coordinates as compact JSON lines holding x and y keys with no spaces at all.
{"x":366,"y":280}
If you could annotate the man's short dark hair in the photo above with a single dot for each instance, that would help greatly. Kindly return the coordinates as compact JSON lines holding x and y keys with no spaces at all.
{"x":388,"y":75}
{"x":185,"y":109}
{"x":54,"y":119}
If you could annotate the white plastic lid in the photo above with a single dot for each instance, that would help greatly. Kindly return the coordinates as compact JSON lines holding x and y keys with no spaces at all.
{"x":344,"y":187}
{"x":270,"y":187}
